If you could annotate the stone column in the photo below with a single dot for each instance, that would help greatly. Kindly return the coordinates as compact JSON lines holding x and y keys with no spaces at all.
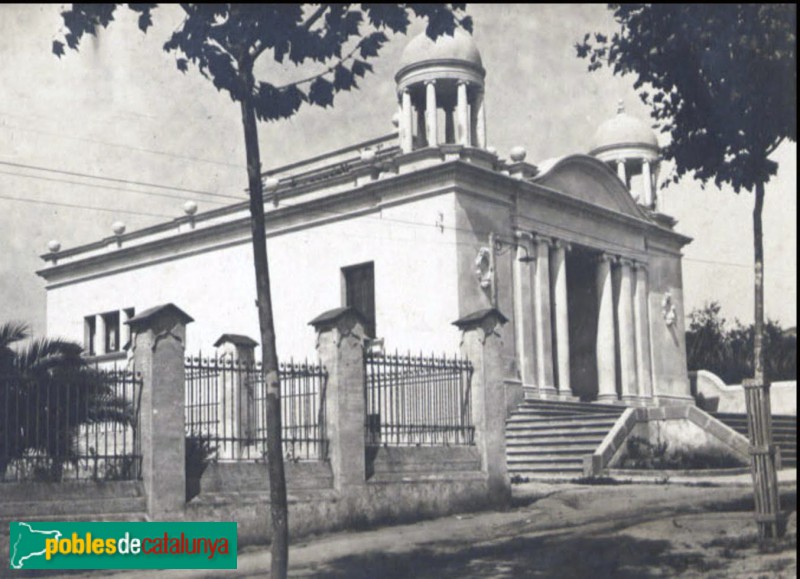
{"x":125,"y":330}
{"x":406,"y":122}
{"x":558,"y":276}
{"x":627,"y":340}
{"x":158,"y":349}
{"x":482,"y":339}
{"x":479,"y":120}
{"x":621,"y":172}
{"x":99,"y":335}
{"x":523,"y":309}
{"x":544,"y":331}
{"x":647,"y":182}
{"x":431,"y":128}
{"x":237,"y":355}
{"x":642,"y":322}
{"x":462,"y":112}
{"x":606,"y":342}
{"x":340,"y":346}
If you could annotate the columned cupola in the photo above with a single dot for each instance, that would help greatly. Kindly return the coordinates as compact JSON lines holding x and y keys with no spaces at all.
{"x":630,"y":148}
{"x":440,"y":90}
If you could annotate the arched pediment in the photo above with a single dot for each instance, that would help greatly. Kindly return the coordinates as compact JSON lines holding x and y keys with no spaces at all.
{"x":586,"y":178}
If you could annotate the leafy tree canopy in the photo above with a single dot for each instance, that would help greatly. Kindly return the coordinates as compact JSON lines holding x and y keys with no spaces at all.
{"x":721,"y":79}
{"x":224,"y":40}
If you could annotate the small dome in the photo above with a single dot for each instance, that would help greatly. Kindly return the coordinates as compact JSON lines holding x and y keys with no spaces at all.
{"x":623,"y":130}
{"x":460,"y":47}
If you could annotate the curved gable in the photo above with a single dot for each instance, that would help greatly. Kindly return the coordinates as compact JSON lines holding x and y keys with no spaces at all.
{"x":584,"y":177}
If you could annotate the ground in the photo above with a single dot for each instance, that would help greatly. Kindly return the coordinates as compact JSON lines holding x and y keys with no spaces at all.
{"x":552,"y":530}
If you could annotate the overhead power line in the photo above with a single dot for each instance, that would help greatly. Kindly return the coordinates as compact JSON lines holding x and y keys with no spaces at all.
{"x":118,"y":180}
{"x":110,"y":144}
{"x":103,"y":187}
{"x":76,"y":206}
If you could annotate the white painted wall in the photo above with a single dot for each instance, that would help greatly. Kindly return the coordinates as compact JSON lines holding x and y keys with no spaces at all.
{"x":416,"y":283}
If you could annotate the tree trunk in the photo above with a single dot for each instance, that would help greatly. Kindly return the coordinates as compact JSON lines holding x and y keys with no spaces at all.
{"x":758,"y":247}
{"x":269,"y":357}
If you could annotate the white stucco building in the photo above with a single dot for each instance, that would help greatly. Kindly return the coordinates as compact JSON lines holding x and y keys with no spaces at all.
{"x":418,"y":229}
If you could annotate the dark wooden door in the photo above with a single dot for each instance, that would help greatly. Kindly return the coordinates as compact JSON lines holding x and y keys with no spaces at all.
{"x":359,"y":283}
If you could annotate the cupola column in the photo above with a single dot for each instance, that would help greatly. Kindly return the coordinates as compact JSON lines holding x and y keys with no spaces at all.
{"x":621,"y":172}
{"x":479,"y":120}
{"x":647,"y":179}
{"x":406,"y":122}
{"x":462,"y":114}
{"x":430,"y":114}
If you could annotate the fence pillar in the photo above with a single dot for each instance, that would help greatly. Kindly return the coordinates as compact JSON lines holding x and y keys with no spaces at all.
{"x":482,"y":344}
{"x":239,"y":420}
{"x":340,"y":347}
{"x":158,"y":350}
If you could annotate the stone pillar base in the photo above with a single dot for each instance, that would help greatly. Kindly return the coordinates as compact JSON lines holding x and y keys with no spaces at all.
{"x":607,"y":399}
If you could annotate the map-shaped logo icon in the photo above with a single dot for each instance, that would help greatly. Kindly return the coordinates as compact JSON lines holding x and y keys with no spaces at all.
{"x":28,"y":542}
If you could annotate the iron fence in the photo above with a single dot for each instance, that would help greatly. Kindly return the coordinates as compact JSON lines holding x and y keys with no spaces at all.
{"x":226,"y":404}
{"x":418,"y":400}
{"x":73,"y":424}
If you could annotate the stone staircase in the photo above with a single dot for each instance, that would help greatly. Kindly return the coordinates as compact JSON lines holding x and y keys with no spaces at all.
{"x":549,"y":439}
{"x":784,"y":432}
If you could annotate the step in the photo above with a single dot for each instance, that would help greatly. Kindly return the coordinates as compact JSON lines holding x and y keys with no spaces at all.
{"x":579,"y":406}
{"x":536,"y":438}
{"x":545,"y":469}
{"x":546,"y":460}
{"x":559,"y":424}
{"x":566,"y":421}
{"x":557,"y":435}
{"x":548,"y":451}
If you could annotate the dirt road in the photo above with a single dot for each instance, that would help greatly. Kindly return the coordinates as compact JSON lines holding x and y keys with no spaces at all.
{"x":567,"y":530}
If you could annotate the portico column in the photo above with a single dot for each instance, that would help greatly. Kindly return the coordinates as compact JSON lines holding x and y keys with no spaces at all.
{"x":430,"y":113}
{"x":479,"y":120}
{"x":544,"y":336}
{"x":647,"y":179}
{"x":462,"y":113}
{"x":99,"y":335}
{"x":621,"y":172}
{"x":606,"y":343}
{"x":523,"y":309}
{"x":406,"y":122}
{"x":642,"y":321}
{"x":558,"y":274}
{"x":627,"y":341}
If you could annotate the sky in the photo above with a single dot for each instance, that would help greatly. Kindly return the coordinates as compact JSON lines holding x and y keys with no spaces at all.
{"x":120,"y":109}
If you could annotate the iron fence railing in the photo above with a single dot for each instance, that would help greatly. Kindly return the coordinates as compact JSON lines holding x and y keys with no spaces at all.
{"x":70,"y":424}
{"x":226,"y":404}
{"x":418,"y":400}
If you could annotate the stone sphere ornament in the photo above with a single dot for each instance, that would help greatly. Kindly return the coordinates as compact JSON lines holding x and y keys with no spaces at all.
{"x":118,"y":227}
{"x":518,"y":154}
{"x":190,"y":208}
{"x":54,"y":246}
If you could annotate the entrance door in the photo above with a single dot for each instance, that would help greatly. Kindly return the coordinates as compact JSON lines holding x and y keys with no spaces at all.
{"x":582,"y":303}
{"x":359,"y":292}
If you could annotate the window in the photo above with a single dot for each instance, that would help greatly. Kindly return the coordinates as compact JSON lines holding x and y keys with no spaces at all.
{"x":111,"y":337}
{"x":106,"y":333}
{"x":88,"y":334}
{"x":359,"y":292}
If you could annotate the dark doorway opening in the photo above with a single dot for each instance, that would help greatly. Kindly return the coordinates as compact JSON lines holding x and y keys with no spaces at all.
{"x":583,"y":310}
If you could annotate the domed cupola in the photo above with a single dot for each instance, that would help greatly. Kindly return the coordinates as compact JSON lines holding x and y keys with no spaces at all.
{"x":630,"y":147}
{"x":440,"y":91}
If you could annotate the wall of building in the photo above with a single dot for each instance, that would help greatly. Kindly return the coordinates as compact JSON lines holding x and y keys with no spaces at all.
{"x":668,"y":340}
{"x":415,"y":282}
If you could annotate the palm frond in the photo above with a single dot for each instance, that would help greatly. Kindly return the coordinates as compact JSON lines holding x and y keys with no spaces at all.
{"x":46,"y":353}
{"x":11,"y":332}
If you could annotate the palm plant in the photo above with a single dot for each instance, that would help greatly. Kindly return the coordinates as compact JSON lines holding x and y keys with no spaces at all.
{"x":47,"y":392}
